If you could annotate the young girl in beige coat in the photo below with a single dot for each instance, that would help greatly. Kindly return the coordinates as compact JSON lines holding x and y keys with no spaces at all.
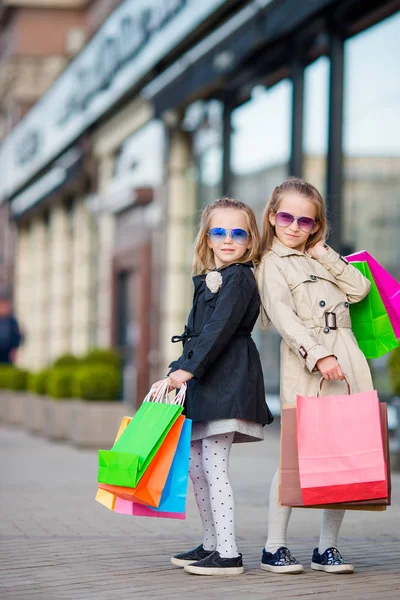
{"x":306,"y":289}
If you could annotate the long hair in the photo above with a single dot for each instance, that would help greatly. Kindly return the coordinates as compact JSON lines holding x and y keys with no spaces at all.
{"x":304,"y":189}
{"x":203,"y":255}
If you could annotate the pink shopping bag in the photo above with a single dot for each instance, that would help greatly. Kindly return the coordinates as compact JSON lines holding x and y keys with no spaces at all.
{"x":388,"y":287}
{"x":340,"y":448}
{"x":126,"y":507}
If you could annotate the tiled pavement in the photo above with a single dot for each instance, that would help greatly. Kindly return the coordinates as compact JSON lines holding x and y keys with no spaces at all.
{"x":56,"y":543}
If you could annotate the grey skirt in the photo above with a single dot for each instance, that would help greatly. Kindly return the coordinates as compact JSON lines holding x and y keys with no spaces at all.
{"x":245,"y":431}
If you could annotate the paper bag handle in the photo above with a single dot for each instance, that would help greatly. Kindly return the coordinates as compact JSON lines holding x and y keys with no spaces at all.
{"x":322,"y":380}
{"x":162,"y":394}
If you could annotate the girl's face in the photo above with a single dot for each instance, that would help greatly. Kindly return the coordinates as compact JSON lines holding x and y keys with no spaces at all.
{"x":294,"y":235}
{"x":229,"y":236}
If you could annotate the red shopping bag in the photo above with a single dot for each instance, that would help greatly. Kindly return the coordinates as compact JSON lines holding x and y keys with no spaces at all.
{"x":340,"y":448}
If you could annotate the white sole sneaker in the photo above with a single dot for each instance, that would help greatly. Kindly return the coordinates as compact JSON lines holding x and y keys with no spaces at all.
{"x":213,"y":570}
{"x":288,"y":570}
{"x":178,"y":562}
{"x":338,"y":569}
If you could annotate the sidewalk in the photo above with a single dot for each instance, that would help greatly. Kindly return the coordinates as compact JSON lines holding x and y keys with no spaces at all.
{"x":57,"y":543}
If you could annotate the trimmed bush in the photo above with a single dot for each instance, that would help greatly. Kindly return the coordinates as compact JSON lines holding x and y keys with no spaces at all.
{"x":13,"y":378}
{"x":59,"y":382}
{"x":394,"y":370}
{"x":97,"y":382}
{"x":99,"y":356}
{"x":5,"y":376}
{"x":37,"y":382}
{"x":67,"y":360}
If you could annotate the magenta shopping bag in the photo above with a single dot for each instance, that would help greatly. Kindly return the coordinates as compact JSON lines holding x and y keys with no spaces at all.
{"x":340,"y":448}
{"x":388,"y":287}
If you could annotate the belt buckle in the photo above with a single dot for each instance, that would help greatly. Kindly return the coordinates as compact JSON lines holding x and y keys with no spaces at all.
{"x":327,"y":315}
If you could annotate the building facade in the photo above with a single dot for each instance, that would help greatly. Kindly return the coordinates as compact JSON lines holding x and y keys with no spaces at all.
{"x":169,"y":106}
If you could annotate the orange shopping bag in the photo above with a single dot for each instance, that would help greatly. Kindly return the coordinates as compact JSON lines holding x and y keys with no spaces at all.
{"x":340,"y":448}
{"x":150,"y":487}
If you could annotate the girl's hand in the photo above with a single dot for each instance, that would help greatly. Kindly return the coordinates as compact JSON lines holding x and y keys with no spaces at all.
{"x":330,"y":368}
{"x":155,"y":387}
{"x":317,"y":251}
{"x":177,"y":378}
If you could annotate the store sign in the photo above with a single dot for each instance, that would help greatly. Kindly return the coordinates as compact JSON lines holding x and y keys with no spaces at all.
{"x":136,"y":36}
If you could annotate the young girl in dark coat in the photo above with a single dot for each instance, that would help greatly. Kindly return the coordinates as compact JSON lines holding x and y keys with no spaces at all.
{"x":221,"y":365}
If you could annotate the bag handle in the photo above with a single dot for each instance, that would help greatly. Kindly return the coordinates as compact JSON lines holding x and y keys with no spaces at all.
{"x":322,"y":380}
{"x":162,"y":394}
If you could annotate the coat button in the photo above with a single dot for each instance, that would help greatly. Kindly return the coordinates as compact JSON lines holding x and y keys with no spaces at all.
{"x":346,"y":305}
{"x":313,"y":277}
{"x":190,"y":354}
{"x":322,"y":303}
{"x":326,"y":330}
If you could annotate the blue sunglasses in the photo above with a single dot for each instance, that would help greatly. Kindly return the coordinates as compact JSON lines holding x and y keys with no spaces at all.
{"x":218,"y":234}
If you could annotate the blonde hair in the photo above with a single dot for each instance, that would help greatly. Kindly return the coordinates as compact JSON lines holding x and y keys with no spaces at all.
{"x":203,"y":254}
{"x":304,"y":189}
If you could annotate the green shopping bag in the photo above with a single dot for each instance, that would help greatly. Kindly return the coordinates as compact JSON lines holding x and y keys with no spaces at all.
{"x":370,"y":321}
{"x":128,"y":459}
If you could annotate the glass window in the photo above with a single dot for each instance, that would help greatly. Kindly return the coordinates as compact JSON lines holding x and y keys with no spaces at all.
{"x":259,"y":160}
{"x":371,"y":216}
{"x":315,"y":144}
{"x":204,"y":120}
{"x":261,"y":144}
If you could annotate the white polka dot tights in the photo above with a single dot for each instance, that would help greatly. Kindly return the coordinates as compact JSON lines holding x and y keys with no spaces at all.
{"x":209,"y":463}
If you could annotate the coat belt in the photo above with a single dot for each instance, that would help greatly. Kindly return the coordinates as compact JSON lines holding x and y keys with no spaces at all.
{"x":331,"y":320}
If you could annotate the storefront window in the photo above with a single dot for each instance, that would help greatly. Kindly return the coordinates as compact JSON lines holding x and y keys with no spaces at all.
{"x":261,"y":144}
{"x":371,"y":218}
{"x":204,"y":121}
{"x":260,"y":158}
{"x":315,"y":145}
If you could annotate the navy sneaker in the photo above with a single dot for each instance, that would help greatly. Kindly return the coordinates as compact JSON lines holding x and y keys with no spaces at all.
{"x":282,"y":561}
{"x":215,"y":564}
{"x":330,"y":561}
{"x":186,"y":558}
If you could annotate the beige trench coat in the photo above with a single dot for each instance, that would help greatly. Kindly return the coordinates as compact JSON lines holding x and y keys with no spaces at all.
{"x":305,"y":299}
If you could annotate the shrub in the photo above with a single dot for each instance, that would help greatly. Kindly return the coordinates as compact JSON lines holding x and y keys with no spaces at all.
{"x":67,"y":360}
{"x":99,"y":356}
{"x":59,"y":382}
{"x":394,"y":370}
{"x":37,"y":382}
{"x":13,"y":378}
{"x":97,"y":382}
{"x":5,"y":376}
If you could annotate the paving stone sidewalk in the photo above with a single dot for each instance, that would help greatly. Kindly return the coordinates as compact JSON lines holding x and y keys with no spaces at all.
{"x":57,"y":543}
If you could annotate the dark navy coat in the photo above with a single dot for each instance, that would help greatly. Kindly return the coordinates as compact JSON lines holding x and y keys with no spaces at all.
{"x":220,"y":353}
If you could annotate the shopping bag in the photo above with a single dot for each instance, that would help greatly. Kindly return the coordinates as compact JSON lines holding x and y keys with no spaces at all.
{"x":370,"y":321}
{"x":151,"y":486}
{"x":340,"y":448}
{"x":289,"y":479}
{"x":127,"y":461}
{"x":388,"y":287}
{"x":173,"y":498}
{"x":125,"y":507}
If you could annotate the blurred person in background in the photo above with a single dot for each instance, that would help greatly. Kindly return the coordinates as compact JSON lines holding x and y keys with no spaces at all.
{"x":10,"y":335}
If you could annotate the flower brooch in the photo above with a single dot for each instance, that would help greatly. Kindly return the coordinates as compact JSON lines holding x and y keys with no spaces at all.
{"x":214,"y":281}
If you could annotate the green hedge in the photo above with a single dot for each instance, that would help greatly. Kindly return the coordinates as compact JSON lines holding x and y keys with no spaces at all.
{"x":97,"y":382}
{"x":60,"y":382}
{"x":37,"y":382}
{"x":100,"y":356}
{"x":67,"y":360}
{"x":13,"y":378}
{"x":394,"y":370}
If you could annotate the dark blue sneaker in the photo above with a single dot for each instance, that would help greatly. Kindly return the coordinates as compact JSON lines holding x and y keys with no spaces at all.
{"x":330,"y":561}
{"x":280,"y":561}
{"x":215,"y":564}
{"x":191,"y":556}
